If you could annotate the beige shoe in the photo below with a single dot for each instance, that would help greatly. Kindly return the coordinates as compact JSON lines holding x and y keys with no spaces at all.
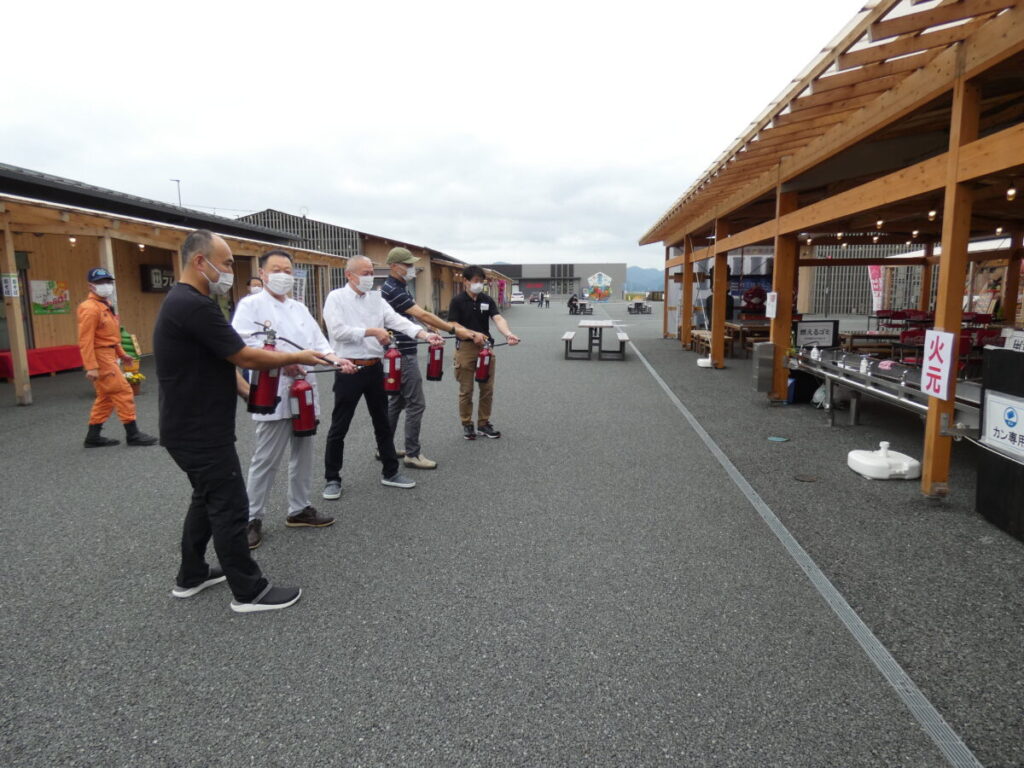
{"x":420,"y":462}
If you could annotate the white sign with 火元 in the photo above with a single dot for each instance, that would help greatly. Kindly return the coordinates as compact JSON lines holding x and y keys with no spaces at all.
{"x":940,"y":350}
{"x":1002,"y":425}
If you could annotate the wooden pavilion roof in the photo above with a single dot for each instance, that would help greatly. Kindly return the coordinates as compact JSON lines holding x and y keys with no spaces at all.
{"x":885,"y":78}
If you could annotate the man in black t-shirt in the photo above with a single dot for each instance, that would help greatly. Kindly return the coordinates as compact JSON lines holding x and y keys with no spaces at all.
{"x":196,"y":352}
{"x":474,"y":309}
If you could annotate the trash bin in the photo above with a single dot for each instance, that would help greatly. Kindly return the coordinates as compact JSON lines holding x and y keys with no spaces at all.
{"x":999,"y":497}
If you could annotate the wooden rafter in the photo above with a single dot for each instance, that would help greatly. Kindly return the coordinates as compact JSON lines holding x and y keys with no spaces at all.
{"x":945,"y":14}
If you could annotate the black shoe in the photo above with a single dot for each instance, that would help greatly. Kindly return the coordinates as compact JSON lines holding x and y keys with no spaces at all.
{"x":468,"y":432}
{"x":95,"y":440}
{"x":216,"y":576}
{"x":255,"y":533}
{"x":135,"y":437}
{"x":487,"y":430}
{"x":309,"y":518}
{"x":271,"y":599}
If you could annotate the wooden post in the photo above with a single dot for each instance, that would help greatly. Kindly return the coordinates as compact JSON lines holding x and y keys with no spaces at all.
{"x":425,"y":284}
{"x":15,"y":325}
{"x":1011,"y":284}
{"x":105,"y":248}
{"x":664,"y":295}
{"x":686,"y":305}
{"x":924,"y":301}
{"x":719,"y":289}
{"x":956,"y":233}
{"x":783,"y":284}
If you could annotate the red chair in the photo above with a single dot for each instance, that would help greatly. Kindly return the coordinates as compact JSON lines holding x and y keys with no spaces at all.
{"x":913,"y":341}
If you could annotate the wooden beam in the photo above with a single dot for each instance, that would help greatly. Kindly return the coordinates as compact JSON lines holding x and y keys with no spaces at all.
{"x":719,"y":289}
{"x":872,"y":71}
{"x":956,"y":232}
{"x":784,"y":286}
{"x":918,"y":22}
{"x":15,"y":323}
{"x":847,"y":92}
{"x":840,"y":111}
{"x":938,"y":39}
{"x":995,"y":153}
{"x":105,"y":256}
{"x":891,"y":261}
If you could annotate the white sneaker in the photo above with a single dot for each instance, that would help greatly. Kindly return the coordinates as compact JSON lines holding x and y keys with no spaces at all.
{"x":420,"y":462}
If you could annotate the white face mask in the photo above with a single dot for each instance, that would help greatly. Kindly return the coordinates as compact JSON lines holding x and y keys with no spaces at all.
{"x":365,"y":283}
{"x":280,"y":283}
{"x":104,"y":290}
{"x":222,"y":284}
{"x":410,"y":273}
{"x":254,"y":289}
{"x":476,"y":288}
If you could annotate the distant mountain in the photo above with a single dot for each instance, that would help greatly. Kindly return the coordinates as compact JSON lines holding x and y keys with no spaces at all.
{"x":644,"y":279}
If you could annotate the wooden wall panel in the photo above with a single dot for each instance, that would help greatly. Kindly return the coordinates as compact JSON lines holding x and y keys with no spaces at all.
{"x":138,"y":310}
{"x":52,"y":257}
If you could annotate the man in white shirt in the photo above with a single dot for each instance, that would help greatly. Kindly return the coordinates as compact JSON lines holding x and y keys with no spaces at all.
{"x":289,"y":319}
{"x":357,"y":319}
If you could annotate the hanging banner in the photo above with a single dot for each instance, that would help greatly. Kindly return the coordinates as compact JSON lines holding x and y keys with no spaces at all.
{"x":877,"y":289}
{"x":50,"y":297}
{"x":940,"y":348}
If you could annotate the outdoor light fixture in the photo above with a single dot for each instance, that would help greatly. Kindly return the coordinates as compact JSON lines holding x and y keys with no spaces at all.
{"x":932,"y":214}
{"x":809,"y":241}
{"x":1011,"y":193}
{"x":915,"y":233}
{"x":142,"y":247}
{"x":999,"y":230}
{"x":72,"y":241}
{"x":839,"y":235}
{"x":845,"y":244}
{"x":908,"y":242}
{"x":878,"y":224}
{"x":874,"y":239}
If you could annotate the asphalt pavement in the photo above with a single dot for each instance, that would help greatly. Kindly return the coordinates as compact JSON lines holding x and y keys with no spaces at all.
{"x":591,"y":589}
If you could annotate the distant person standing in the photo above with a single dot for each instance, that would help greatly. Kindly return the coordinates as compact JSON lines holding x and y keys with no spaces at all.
{"x":540,"y":300}
{"x":474,"y":309}
{"x":411,"y":399}
{"x":196,"y":353}
{"x":99,"y":341}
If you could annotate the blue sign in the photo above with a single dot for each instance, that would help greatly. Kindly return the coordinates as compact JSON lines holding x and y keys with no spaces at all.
{"x":1010,"y":417}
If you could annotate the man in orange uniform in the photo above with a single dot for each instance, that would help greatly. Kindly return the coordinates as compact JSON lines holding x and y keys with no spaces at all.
{"x":99,"y":339}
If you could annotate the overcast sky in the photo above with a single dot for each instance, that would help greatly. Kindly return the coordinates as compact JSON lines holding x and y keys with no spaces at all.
{"x":520,"y":132}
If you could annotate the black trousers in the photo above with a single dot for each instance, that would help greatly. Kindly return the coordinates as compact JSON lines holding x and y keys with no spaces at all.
{"x":368,"y":382}
{"x":219,"y":510}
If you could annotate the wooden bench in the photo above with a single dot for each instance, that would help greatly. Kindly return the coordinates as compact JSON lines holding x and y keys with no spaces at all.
{"x":700,"y":342}
{"x":587,"y":310}
{"x":615,"y":354}
{"x":570,"y":352}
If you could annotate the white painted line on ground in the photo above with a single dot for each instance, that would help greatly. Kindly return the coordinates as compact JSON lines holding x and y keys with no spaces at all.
{"x":946,"y":739}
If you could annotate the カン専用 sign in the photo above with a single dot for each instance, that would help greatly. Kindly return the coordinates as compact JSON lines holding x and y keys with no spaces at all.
{"x":1003,"y":423}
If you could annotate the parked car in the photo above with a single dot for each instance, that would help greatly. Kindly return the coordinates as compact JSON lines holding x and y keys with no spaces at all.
{"x":517,"y":298}
{"x":534,"y":297}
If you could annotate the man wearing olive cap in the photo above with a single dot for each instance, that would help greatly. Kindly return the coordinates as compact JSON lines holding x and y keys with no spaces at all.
{"x":99,"y":341}
{"x":411,"y":399}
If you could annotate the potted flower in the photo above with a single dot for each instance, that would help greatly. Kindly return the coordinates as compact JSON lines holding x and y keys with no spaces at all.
{"x":135,"y":379}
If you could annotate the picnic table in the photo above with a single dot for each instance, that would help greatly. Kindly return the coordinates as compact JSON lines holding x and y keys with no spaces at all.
{"x":595,"y":342}
{"x":746,"y":332}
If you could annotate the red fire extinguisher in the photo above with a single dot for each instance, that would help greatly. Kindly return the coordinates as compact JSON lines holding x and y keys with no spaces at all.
{"x":435,"y":362}
{"x":300,"y":396}
{"x":392,"y":369}
{"x":263,"y":397}
{"x":483,"y":362}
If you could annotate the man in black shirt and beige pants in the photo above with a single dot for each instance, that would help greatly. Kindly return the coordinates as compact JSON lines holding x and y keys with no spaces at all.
{"x":196,"y":352}
{"x":474,"y":309}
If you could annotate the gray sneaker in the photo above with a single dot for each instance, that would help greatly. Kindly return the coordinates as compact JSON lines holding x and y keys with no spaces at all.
{"x":398,"y":480}
{"x":332,"y":490}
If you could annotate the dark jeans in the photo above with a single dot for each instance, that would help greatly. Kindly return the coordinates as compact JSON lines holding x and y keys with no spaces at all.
{"x":348,"y":389}
{"x":219,"y":510}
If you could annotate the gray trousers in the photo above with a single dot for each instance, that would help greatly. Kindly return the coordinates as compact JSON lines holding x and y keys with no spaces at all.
{"x":272,"y":438}
{"x":412,"y":401}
